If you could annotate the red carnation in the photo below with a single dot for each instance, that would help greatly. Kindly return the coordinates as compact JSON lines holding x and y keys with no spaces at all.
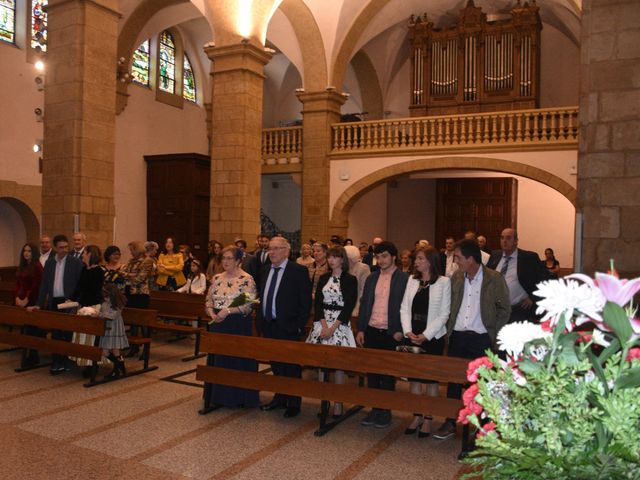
{"x":633,"y":353}
{"x":486,"y":428}
{"x":474,"y":365}
{"x":463,"y":415}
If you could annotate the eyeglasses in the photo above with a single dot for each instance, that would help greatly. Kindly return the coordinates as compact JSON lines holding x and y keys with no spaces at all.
{"x":273,"y":249}
{"x":228,"y":258}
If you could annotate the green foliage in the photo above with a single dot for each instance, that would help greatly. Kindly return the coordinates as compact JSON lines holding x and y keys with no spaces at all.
{"x":576,"y":417}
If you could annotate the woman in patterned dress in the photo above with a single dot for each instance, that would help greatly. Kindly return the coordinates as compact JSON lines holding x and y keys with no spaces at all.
{"x":225,"y":287}
{"x":319,"y":267}
{"x":335,"y":300}
{"x":112,"y":267}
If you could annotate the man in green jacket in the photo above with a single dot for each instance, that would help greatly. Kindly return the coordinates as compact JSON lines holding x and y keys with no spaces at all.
{"x":480,"y":307}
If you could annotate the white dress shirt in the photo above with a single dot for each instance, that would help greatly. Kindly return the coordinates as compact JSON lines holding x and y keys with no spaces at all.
{"x":282,"y":266}
{"x":516,"y":293}
{"x":44,"y":257}
{"x":469,"y":316}
{"x":58,"y":279}
{"x":451,"y":267}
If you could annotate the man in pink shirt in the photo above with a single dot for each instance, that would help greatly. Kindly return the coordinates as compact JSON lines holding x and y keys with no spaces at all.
{"x":379,"y":323}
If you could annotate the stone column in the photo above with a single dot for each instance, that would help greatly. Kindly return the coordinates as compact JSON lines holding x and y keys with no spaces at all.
{"x":320,"y":110}
{"x":609,"y":151}
{"x":236,"y":140}
{"x":79,"y":120}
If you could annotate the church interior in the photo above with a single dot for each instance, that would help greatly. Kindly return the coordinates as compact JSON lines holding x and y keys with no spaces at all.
{"x":209,"y":119}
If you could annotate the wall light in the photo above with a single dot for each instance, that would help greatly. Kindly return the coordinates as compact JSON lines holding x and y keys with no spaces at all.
{"x":37,"y":146}
{"x":39,"y":65}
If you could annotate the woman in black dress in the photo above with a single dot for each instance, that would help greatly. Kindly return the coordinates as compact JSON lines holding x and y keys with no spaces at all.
{"x":553,"y":265}
{"x":236,"y":320}
{"x":424,"y":313}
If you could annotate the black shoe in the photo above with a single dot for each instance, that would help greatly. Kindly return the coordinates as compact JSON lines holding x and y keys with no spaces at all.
{"x":56,"y":370}
{"x":271,"y":406}
{"x":291,"y":412}
{"x":411,"y":431}
{"x":383,"y":420}
{"x":370,"y":419}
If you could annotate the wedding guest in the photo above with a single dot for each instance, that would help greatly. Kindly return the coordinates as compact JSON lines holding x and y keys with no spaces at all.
{"x":522,"y":270}
{"x":113,"y":266}
{"x":424,"y":313}
{"x":59,"y":283}
{"x":115,"y":338}
{"x":305,"y":258}
{"x":358,"y":270}
{"x":479,"y":309}
{"x":187,"y":258}
{"x":285,"y":301}
{"x":196,"y":281}
{"x":319,"y":266}
{"x":214,"y":266}
{"x":334,"y":302}
{"x":449,"y":266}
{"x":45,"y":249}
{"x":138,"y":273}
{"x":79,"y":242}
{"x":482,"y":243}
{"x":348,"y":241}
{"x":379,"y":325}
{"x":236,"y":320}
{"x":28,"y":277}
{"x":170,"y":265}
{"x":405,"y":261}
{"x":550,"y":262}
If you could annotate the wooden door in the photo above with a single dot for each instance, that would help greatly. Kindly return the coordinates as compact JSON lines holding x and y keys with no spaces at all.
{"x":484,"y":205}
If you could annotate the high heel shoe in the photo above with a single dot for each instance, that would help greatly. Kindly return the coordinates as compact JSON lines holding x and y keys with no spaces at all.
{"x":427,"y":423}
{"x":411,"y":431}
{"x":120,"y":365}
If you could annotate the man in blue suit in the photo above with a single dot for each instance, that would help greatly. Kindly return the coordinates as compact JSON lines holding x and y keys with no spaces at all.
{"x":285,"y":303}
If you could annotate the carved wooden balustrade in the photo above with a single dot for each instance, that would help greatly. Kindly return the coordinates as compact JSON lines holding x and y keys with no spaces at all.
{"x":282,"y":147}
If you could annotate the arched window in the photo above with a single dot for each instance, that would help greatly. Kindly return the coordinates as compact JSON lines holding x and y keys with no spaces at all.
{"x":38,"y":25}
{"x":8,"y":21}
{"x":141,"y":62}
{"x":188,"y":81}
{"x":167,"y":63}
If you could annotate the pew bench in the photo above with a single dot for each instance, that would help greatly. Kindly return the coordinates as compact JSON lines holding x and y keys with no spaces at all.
{"x":182,"y":307}
{"x":357,"y":360}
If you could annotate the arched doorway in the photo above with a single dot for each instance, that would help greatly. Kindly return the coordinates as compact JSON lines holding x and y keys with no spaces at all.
{"x":18,"y":225}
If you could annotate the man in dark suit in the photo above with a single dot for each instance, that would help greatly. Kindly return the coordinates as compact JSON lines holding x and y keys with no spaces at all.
{"x":59,"y":284}
{"x":285,"y":303}
{"x":522,"y":270}
{"x":260,"y":258}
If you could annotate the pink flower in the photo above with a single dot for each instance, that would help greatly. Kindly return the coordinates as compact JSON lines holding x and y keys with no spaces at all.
{"x":616,"y":290}
{"x":634,"y":353}
{"x":475,"y":365}
{"x":546,"y":326}
{"x":470,"y":394}
{"x":463,"y":416}
{"x":485,"y":429}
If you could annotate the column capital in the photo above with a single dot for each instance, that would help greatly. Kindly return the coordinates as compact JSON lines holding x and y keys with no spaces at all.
{"x":239,"y":56}
{"x":323,"y":101}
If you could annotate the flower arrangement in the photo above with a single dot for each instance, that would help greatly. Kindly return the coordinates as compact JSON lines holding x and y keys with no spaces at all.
{"x":565,"y":404}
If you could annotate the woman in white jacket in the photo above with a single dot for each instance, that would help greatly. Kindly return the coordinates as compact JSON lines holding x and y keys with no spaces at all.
{"x":424,"y":313}
{"x":196,"y":283}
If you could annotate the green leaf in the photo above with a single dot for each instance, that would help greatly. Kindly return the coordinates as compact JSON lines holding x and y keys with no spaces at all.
{"x":629,"y":379}
{"x":616,"y":318}
{"x":610,"y":350}
{"x":529,"y":367}
{"x":597,"y":368}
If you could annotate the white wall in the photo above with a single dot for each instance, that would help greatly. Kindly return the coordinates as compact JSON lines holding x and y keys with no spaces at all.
{"x":19,"y":97}
{"x":12,"y":235}
{"x":368,"y":216}
{"x":282,"y":204}
{"x":411,"y":211}
{"x":148,"y":127}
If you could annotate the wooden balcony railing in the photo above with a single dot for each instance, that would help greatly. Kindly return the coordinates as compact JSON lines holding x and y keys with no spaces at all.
{"x":517,"y":128}
{"x":281,"y":146}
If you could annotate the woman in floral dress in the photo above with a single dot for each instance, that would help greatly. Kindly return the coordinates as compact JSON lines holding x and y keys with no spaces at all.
{"x":334,"y":302}
{"x":236,"y":320}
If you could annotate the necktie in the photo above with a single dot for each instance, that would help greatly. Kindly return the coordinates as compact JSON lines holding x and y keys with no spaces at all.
{"x":263,"y":257}
{"x":505,"y":266}
{"x":268,"y":313}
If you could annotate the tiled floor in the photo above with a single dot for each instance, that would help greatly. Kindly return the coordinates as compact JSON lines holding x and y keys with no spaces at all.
{"x":146,"y":428}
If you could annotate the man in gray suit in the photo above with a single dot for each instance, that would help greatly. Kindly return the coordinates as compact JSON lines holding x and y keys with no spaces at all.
{"x":59,"y":284}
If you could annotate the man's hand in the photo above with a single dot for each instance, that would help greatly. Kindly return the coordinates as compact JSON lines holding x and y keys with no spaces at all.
{"x":527,"y":303}
{"x":418,"y":339}
{"x":397,"y":336}
{"x":360,"y":339}
{"x":32,"y":308}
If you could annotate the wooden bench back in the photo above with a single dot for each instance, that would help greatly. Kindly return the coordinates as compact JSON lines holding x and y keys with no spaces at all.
{"x":47,"y":320}
{"x":179,"y":297}
{"x":438,"y":368}
{"x":7,"y":291}
{"x":176,"y":308}
{"x":140,"y":316}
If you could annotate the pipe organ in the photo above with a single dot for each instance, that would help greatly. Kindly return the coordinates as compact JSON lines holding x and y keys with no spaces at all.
{"x":476,"y":65}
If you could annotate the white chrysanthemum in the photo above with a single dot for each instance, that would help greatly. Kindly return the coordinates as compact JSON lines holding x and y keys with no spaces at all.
{"x":566,"y":297}
{"x":513,"y":337}
{"x":599,"y":338}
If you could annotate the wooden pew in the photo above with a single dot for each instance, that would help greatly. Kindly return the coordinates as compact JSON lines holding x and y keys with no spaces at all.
{"x":358,"y":360}
{"x":46,"y":320}
{"x":184,"y":307}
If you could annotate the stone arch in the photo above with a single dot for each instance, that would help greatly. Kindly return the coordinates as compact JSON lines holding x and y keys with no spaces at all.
{"x":339,"y":221}
{"x":311,"y":44}
{"x":369,"y":85}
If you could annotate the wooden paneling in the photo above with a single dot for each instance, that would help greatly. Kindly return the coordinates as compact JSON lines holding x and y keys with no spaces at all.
{"x":485,"y":205}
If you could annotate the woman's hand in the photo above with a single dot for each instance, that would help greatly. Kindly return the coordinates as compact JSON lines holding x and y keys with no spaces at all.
{"x":222,"y":314}
{"x":418,"y":339}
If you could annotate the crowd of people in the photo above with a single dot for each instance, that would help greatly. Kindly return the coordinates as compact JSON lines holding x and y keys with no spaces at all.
{"x":421,"y":300}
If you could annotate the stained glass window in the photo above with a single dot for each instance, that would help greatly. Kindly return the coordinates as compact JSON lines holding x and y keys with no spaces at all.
{"x":188,"y":81}
{"x":8,"y":20}
{"x":167,"y":63}
{"x":39,"y":25}
{"x":140,"y":66}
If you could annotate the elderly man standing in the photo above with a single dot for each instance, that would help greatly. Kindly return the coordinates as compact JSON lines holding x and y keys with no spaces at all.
{"x":79,"y":242}
{"x":479,"y":309}
{"x":285,"y":303}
